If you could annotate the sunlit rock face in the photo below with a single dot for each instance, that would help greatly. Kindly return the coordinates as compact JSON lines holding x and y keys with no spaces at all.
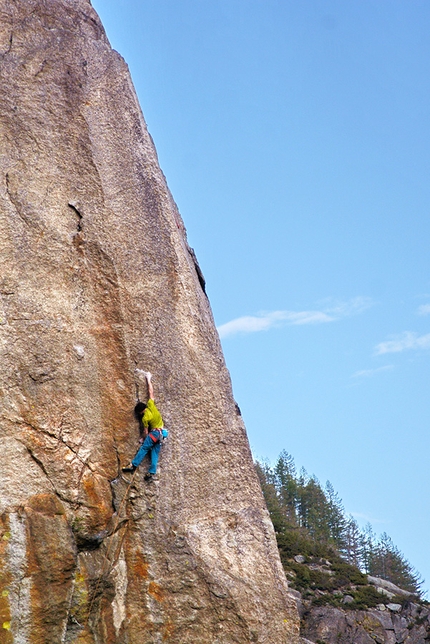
{"x":96,"y":281}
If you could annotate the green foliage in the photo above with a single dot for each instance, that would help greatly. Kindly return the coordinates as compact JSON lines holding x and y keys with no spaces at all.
{"x":274,"y":504}
{"x":351,"y":574}
{"x":326,"y":600}
{"x":310,"y":520}
{"x":300,"y":501}
{"x":302,"y":579}
{"x":320,"y":580}
{"x":296,"y":541}
{"x":385,"y":560}
{"x":365,"y":597}
{"x":78,"y":524}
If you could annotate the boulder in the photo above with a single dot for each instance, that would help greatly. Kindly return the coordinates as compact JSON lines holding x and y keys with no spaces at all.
{"x":394,"y":608}
{"x":300,"y":559}
{"x":387,"y":586}
{"x":347,"y":599}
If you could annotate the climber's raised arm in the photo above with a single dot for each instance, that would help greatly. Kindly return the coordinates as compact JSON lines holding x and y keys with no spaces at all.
{"x":150,"y":387}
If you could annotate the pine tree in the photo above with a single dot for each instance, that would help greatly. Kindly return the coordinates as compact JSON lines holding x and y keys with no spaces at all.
{"x":368,"y":544}
{"x":388,"y":562}
{"x":314,"y":510}
{"x":273,"y":503}
{"x":337,"y":523}
{"x":286,"y":482}
{"x":353,"y":540}
{"x":308,"y":518}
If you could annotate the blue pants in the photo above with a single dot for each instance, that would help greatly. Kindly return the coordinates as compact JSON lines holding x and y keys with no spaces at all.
{"x":148,"y":445}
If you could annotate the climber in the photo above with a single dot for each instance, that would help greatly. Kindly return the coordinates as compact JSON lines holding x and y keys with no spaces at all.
{"x":152,"y":433}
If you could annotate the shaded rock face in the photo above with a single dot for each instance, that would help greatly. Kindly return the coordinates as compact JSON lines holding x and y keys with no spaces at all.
{"x":97,"y":280}
{"x":411,"y":625}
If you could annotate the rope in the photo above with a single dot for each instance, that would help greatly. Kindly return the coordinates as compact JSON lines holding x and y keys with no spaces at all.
{"x":108,"y":551}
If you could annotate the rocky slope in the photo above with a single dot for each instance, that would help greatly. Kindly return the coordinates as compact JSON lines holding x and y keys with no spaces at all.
{"x":367,"y":611}
{"x":96,"y":280}
{"x":389,"y":625}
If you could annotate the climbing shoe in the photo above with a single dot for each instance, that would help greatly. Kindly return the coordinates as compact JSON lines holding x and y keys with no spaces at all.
{"x":148,"y":477}
{"x":129,"y":468}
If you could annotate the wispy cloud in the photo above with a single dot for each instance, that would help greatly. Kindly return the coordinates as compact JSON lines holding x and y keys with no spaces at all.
{"x":267,"y":320}
{"x":368,"y":373}
{"x":351,"y":307}
{"x":404,"y":342}
{"x":365,"y":517}
{"x":424,"y":309}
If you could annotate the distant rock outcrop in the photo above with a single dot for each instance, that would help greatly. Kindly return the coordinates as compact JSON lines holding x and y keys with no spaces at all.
{"x":96,"y":280}
{"x":392,"y":624}
{"x":335,"y":617}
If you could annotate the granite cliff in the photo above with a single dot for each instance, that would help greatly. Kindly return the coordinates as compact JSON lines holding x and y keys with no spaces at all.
{"x":96,"y":281}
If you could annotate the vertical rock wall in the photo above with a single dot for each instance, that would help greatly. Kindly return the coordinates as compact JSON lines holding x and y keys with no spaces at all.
{"x":96,"y":280}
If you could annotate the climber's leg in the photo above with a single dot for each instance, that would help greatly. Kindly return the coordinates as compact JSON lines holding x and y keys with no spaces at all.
{"x":154,"y":458}
{"x":142,"y":451}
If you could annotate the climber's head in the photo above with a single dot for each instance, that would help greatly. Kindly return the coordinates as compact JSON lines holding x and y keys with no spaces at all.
{"x":139,"y":409}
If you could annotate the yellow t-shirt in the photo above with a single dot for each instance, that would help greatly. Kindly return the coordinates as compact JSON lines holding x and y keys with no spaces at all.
{"x":151,"y":417}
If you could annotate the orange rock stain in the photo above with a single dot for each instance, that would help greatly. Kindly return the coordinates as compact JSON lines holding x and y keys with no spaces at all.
{"x":140,"y":566}
{"x":155,"y":591}
{"x":168,"y":630}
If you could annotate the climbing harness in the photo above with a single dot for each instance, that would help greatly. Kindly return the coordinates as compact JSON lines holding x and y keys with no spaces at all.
{"x":161,"y":436}
{"x":155,"y":437}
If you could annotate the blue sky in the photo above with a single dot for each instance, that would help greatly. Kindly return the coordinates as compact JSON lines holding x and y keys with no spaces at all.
{"x":295,"y":138}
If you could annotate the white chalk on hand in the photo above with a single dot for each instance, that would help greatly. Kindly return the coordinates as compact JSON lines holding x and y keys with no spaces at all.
{"x":143,"y":374}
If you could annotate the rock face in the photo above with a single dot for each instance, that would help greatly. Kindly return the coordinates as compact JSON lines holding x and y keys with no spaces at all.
{"x":410,"y":625}
{"x":96,"y":281}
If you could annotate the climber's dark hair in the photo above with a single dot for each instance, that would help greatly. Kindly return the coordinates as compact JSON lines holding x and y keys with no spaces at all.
{"x":139,"y":409}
